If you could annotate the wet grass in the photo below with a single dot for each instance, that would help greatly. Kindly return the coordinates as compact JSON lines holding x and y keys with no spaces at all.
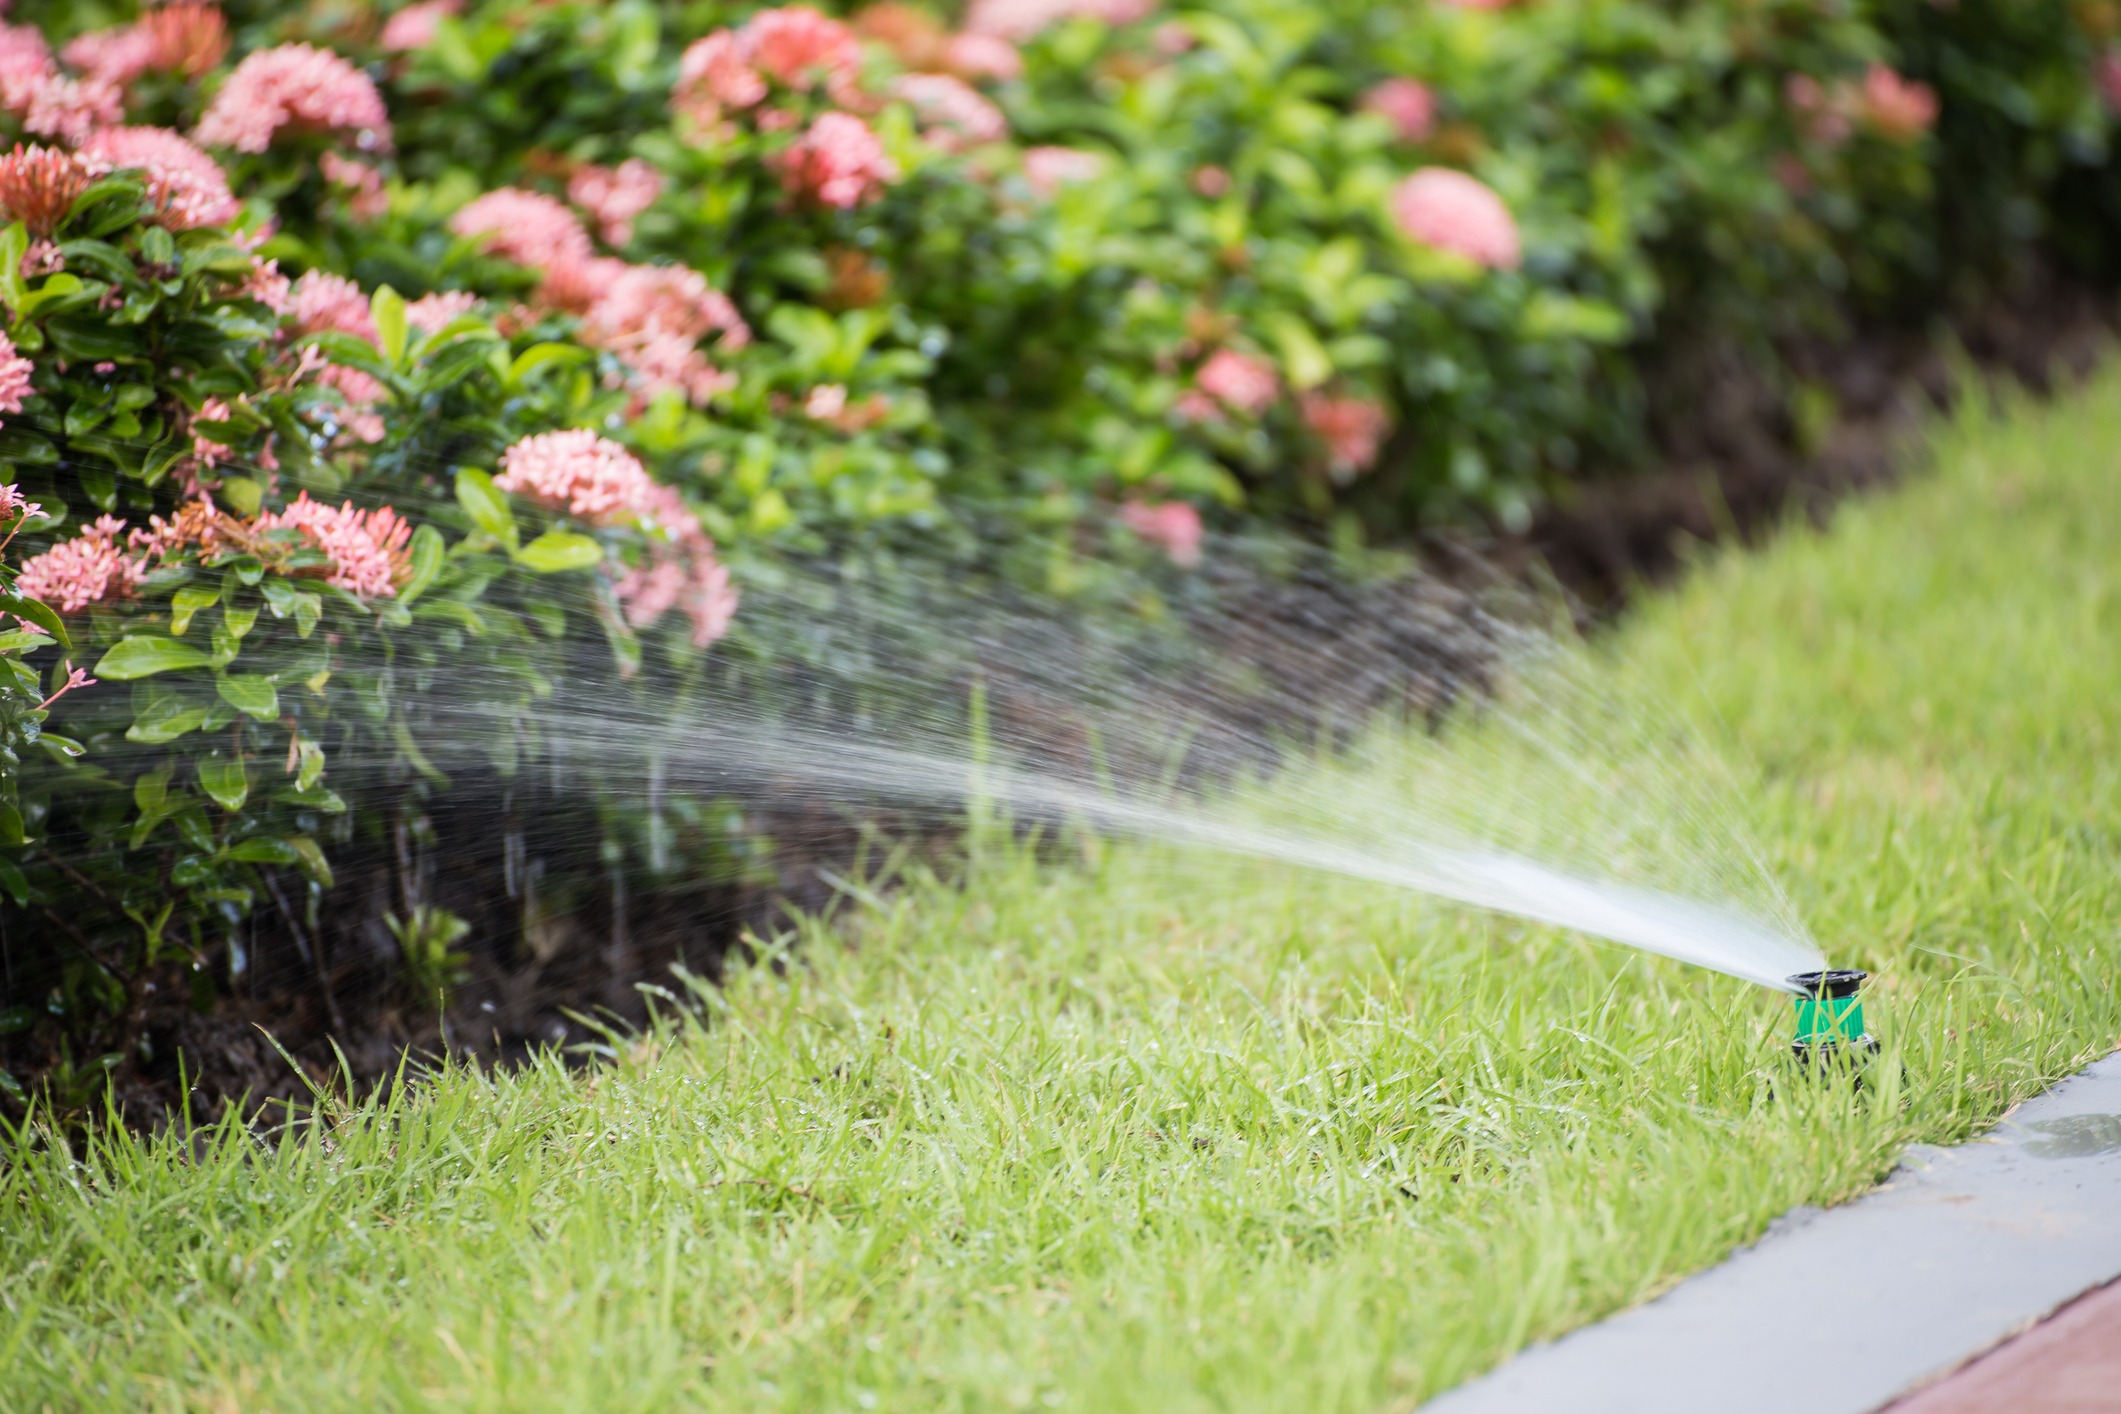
{"x":1163,"y":1134}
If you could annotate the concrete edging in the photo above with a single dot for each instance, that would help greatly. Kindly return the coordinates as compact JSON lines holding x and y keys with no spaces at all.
{"x":1839,"y":1312}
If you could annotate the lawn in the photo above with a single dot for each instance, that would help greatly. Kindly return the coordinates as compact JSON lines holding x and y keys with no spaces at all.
{"x":1159,"y":1133}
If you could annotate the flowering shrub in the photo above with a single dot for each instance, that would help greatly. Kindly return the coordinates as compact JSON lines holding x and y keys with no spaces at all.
{"x":363,"y":351}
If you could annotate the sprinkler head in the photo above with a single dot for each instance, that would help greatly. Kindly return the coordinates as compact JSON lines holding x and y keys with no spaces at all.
{"x":1830,"y":1019}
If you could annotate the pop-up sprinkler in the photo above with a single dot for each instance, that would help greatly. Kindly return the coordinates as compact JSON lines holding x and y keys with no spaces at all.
{"x":1830,"y":1018}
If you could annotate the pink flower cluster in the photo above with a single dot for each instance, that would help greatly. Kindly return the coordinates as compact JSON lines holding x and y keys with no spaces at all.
{"x":614,"y":196}
{"x":187,"y":37}
{"x":39,"y":185}
{"x":1048,"y":169}
{"x":294,"y":87}
{"x":1239,"y":381}
{"x":599,"y":482}
{"x":1897,"y":109}
{"x":839,"y":162}
{"x":1405,"y":103}
{"x":1174,"y":525}
{"x":1451,"y":211}
{"x":367,"y":548}
{"x":1020,"y":20}
{"x":589,"y":477}
{"x":359,"y":184}
{"x":15,"y":371}
{"x":85,"y":570}
{"x":982,"y":56}
{"x":414,"y":27}
{"x":186,"y":188}
{"x":1353,"y":430}
{"x":526,"y":227}
{"x":957,"y":115}
{"x":322,"y":302}
{"x":654,"y":316}
{"x":431,"y":314}
{"x":795,"y":46}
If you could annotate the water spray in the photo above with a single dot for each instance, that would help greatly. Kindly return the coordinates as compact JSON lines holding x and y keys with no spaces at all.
{"x":1830,"y":1019}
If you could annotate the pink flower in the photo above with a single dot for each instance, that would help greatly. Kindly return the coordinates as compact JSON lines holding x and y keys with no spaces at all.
{"x":1239,"y":381}
{"x":209,"y":452}
{"x":1824,"y":116}
{"x":186,"y":188}
{"x":1353,"y":429}
{"x":367,"y":548}
{"x":713,"y":77}
{"x":692,"y":580}
{"x":958,"y":115}
{"x":838,"y":162}
{"x":1048,"y":169}
{"x":615,"y":195}
{"x":116,"y":56}
{"x":1020,"y":20}
{"x":43,"y":257}
{"x":587,"y":476}
{"x":15,"y":371}
{"x":269,"y":287}
{"x":659,"y":360}
{"x":1407,"y":104}
{"x":668,"y":299}
{"x":1172,"y":524}
{"x":414,"y":26}
{"x":982,"y":56}
{"x":323,"y":301}
{"x":71,"y":109}
{"x":431,"y":314}
{"x":1897,"y":108}
{"x":13,"y":503}
{"x":39,"y":186}
{"x":826,"y":401}
{"x":524,"y":226}
{"x":82,"y":571}
{"x":360,"y":393}
{"x":294,"y":86}
{"x":361,"y":183}
{"x":802,"y":49}
{"x":75,"y":678}
{"x":1211,"y":182}
{"x":1451,"y":211}
{"x":191,"y":37}
{"x":25,"y":65}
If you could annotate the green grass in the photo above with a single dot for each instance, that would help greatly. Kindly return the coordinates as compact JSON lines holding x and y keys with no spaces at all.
{"x":1136,"y":1136}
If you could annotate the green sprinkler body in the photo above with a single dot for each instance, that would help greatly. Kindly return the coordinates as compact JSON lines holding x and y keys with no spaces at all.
{"x":1830,"y":1019}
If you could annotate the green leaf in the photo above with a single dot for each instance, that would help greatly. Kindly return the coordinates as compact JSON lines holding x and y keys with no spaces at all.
{"x":151,"y":791}
{"x":14,"y":242}
{"x":224,"y":778}
{"x":1303,"y":358}
{"x":241,"y":495}
{"x":166,"y":719}
{"x":140,"y":656}
{"x":188,"y":601}
{"x":314,"y":863}
{"x":426,"y":553}
{"x":11,"y":825}
{"x":486,"y":505}
{"x":387,"y":308}
{"x":265,"y":851}
{"x":36,"y":612}
{"x":250,"y":693}
{"x":61,"y":748}
{"x":538,"y":356}
{"x":558,"y":550}
{"x":17,"y":885}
